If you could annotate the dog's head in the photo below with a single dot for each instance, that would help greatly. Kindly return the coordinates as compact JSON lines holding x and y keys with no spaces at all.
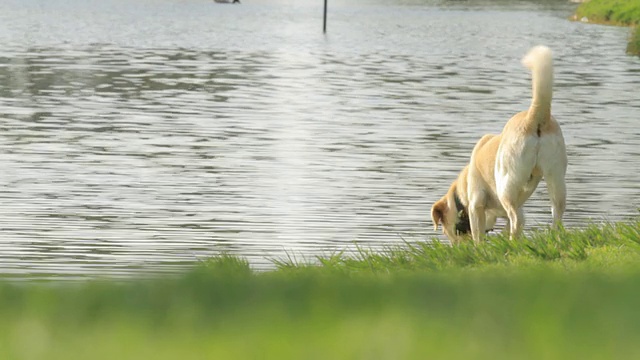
{"x":453,"y":215}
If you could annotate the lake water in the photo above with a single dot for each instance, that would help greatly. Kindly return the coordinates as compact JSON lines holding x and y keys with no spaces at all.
{"x":139,"y":136}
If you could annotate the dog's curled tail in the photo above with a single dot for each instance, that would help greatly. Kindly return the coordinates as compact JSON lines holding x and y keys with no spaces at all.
{"x":540,"y":61}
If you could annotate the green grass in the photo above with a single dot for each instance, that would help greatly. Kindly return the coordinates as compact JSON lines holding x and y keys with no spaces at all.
{"x":550,"y":248}
{"x":614,"y":12}
{"x":554,"y":295}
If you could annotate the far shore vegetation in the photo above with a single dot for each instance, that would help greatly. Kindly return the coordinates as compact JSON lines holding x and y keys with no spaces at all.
{"x":614,"y":12}
{"x":554,"y":294}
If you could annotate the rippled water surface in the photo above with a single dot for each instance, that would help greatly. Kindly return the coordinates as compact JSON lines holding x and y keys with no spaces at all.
{"x":137,"y":136}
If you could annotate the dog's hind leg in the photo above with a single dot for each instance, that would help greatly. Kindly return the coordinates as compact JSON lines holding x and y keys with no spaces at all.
{"x":508,"y":195}
{"x":557,"y":194}
{"x":553,"y":163}
{"x":507,"y":228}
{"x":516,"y":221}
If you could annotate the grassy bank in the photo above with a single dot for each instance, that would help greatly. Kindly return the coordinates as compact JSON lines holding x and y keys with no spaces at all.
{"x":592,"y":246}
{"x":557,"y":295}
{"x":614,"y":12}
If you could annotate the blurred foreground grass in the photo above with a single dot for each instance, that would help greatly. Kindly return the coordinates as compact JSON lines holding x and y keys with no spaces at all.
{"x":555,"y":295}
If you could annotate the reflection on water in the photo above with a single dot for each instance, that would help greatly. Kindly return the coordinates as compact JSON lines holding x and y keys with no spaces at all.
{"x":201,"y":128}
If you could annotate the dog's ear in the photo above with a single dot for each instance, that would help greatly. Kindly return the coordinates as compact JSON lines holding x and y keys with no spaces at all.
{"x":437,"y":213}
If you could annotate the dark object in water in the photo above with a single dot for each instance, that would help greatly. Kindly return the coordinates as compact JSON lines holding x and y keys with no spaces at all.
{"x":227,"y":1}
{"x":324,"y":18}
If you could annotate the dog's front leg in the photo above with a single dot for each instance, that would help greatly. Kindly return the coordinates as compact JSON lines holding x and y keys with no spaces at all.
{"x":477,"y":218}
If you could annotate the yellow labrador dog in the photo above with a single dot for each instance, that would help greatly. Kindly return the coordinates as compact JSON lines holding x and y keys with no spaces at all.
{"x":505,"y":169}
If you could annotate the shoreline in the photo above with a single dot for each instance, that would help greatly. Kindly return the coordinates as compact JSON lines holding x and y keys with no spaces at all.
{"x":613,"y":13}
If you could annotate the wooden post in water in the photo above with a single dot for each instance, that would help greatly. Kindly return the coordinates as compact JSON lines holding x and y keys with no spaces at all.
{"x":324,"y":20}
